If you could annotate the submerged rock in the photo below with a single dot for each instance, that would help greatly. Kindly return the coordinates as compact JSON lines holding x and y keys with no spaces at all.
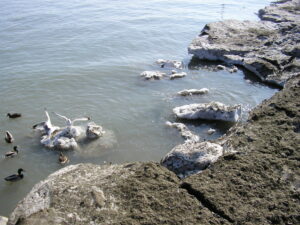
{"x":184,"y":131}
{"x":268,"y":49}
{"x":177,"y":75}
{"x":170,"y":63}
{"x":190,"y":158}
{"x":156,"y":75}
{"x":209,"y":111}
{"x":193,"y":92}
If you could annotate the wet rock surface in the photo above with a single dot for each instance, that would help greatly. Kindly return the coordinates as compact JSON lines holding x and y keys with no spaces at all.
{"x":268,"y":48}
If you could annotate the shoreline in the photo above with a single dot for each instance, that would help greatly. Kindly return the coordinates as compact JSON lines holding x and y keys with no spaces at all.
{"x":257,"y":181}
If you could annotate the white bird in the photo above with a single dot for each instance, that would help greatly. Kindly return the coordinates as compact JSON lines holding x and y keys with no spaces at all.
{"x":73,"y":131}
{"x":46,"y":127}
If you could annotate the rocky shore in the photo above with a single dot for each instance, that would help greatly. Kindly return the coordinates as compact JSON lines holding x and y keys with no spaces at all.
{"x":256,"y":179}
{"x":269,"y":48}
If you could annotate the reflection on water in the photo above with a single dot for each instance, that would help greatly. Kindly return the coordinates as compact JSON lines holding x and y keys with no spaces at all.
{"x":83,"y":58}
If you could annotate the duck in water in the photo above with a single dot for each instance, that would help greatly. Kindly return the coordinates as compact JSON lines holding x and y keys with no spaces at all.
{"x":12,"y":153}
{"x":63,"y":159}
{"x":15,"y":177}
{"x":13,"y":115}
{"x":8,"y":137}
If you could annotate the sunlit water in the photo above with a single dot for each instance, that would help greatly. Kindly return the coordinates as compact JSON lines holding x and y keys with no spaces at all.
{"x":83,"y":58}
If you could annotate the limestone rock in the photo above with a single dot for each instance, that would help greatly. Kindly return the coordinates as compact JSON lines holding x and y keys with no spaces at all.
{"x":156,"y":75}
{"x":191,"y":157}
{"x":133,"y":193}
{"x":193,"y":92}
{"x":266,"y":48}
{"x":209,"y":111}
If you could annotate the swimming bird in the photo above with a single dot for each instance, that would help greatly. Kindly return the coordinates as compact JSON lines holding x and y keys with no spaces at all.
{"x":15,"y":177}
{"x":8,"y":137}
{"x":12,"y":153}
{"x":63,"y":159}
{"x":13,"y":115}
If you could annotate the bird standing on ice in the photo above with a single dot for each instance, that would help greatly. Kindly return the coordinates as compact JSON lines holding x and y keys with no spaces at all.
{"x":73,"y":130}
{"x":46,"y":127}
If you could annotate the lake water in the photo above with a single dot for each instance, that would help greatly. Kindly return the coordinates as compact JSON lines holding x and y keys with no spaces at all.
{"x":83,"y":58}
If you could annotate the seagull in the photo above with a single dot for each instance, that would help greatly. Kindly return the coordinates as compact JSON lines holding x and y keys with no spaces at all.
{"x":15,"y":177}
{"x":14,"y":115}
{"x":72,"y":130}
{"x":63,"y":159}
{"x":8,"y":137}
{"x":70,"y":122}
{"x":12,"y":153}
{"x":46,"y":126}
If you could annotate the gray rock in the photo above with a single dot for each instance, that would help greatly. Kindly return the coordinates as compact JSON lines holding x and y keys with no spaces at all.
{"x":268,"y":49}
{"x":209,"y":111}
{"x":193,"y":92}
{"x":191,"y":157}
{"x":133,"y":193}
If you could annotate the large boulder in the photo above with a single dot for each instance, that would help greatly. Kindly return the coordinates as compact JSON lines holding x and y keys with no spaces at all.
{"x":134,"y":193}
{"x":268,"y":48}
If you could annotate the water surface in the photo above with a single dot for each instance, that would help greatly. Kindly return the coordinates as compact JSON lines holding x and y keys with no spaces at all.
{"x":83,"y":58}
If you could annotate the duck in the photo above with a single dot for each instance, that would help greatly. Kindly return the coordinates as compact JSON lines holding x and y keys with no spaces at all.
{"x":63,"y":159}
{"x":15,"y":177}
{"x":8,"y":137}
{"x":12,"y":153}
{"x":13,"y":115}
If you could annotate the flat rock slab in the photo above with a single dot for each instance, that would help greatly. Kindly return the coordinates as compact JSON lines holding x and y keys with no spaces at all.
{"x":209,"y":111}
{"x":136,"y":193}
{"x":268,"y":48}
